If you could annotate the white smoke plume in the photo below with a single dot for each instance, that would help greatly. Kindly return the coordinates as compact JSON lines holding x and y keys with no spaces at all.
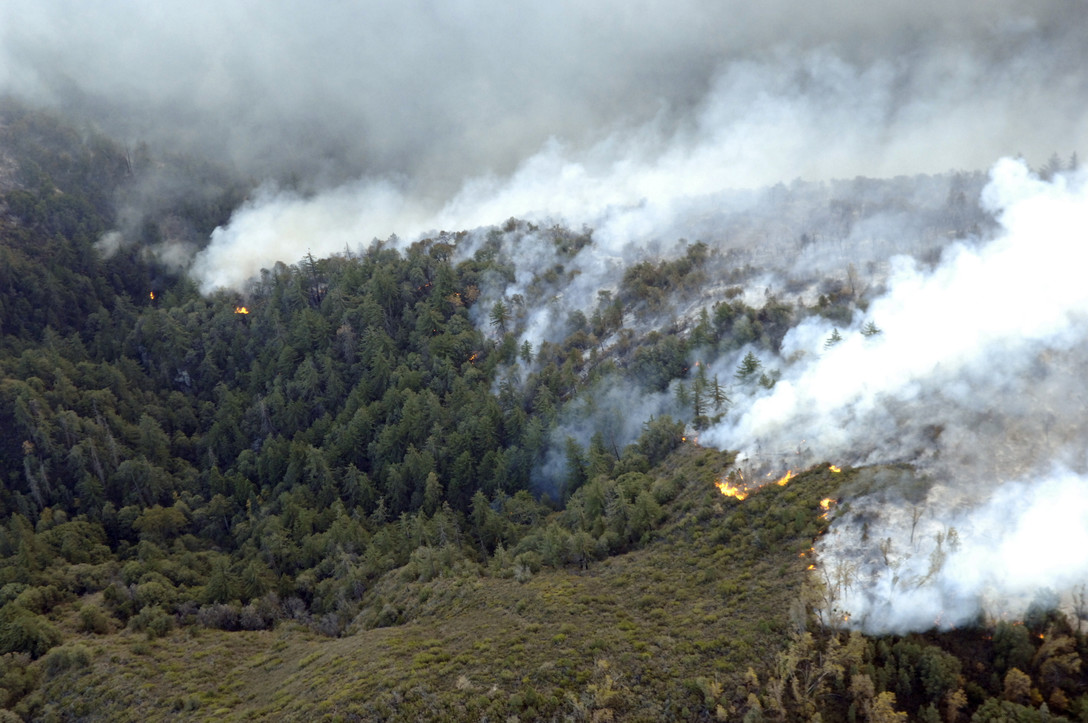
{"x":976,"y":378}
{"x":812,"y":116}
{"x":954,"y":558}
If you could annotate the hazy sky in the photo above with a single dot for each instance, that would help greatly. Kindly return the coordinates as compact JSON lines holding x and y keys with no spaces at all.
{"x":411,"y":117}
{"x":432,"y":93}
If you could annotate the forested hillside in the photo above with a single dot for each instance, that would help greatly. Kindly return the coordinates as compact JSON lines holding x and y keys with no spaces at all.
{"x":358,"y":457}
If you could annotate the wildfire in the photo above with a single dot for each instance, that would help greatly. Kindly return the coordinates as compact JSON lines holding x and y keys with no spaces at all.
{"x":825,"y":505}
{"x":785,"y":480}
{"x":241,"y":310}
{"x":730,"y":490}
{"x":152,"y":295}
{"x":834,"y":469}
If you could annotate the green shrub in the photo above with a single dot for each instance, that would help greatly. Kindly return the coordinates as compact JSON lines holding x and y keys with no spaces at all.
{"x":92,"y":619}
{"x":40,"y":599}
{"x":66,"y":657}
{"x":17,"y":678}
{"x":152,"y":620}
{"x":21,"y":631}
{"x":11,"y":591}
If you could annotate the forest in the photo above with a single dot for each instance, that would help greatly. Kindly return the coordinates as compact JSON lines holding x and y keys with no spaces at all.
{"x":359,"y":480}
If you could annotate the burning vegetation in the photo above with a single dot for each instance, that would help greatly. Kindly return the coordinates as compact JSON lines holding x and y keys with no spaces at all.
{"x":732,"y":490}
{"x":734,"y":485}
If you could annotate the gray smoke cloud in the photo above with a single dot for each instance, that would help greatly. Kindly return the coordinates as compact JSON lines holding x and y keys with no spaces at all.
{"x":413,"y":117}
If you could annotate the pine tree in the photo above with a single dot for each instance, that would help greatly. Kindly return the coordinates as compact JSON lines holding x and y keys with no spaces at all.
{"x":220,"y":587}
{"x":717,"y":394}
{"x":500,"y":316}
{"x":698,"y":402}
{"x":432,"y":493}
{"x":698,"y":391}
{"x":749,"y":367}
{"x":683,"y":397}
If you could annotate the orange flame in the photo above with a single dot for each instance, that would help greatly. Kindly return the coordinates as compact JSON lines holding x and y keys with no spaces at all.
{"x":835,"y":469}
{"x":241,"y":310}
{"x":785,"y":480}
{"x":825,"y":505}
{"x":730,"y":490}
{"x":152,"y":295}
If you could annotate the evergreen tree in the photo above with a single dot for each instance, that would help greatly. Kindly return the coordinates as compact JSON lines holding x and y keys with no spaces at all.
{"x":500,"y":316}
{"x":717,"y":394}
{"x":748,"y":368}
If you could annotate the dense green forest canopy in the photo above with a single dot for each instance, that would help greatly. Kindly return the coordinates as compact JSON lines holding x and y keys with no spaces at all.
{"x":355,"y":425}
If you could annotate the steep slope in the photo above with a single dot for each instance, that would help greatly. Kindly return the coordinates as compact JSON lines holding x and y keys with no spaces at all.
{"x":668,"y":632}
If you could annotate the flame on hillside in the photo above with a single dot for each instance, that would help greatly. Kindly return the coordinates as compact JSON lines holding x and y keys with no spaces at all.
{"x":152,"y":295}
{"x":834,"y":469}
{"x":241,"y":310}
{"x":825,"y":505}
{"x":735,"y":486}
{"x":740,"y":492}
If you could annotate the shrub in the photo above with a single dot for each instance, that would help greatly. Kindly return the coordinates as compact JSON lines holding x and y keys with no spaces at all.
{"x":11,"y":591}
{"x":21,"y":631}
{"x":220,"y":616}
{"x":66,"y":657}
{"x":40,"y":599}
{"x":93,"y":620}
{"x":152,"y":620}
{"x":17,"y":678}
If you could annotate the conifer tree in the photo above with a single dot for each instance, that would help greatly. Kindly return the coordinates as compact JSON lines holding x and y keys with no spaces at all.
{"x":500,"y":316}
{"x":749,"y":367}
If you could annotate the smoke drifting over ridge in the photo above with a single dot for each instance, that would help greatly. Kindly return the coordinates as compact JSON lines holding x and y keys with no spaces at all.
{"x":417,"y":116}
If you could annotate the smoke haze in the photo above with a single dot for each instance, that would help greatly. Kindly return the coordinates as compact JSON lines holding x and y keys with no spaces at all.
{"x":441,"y":115}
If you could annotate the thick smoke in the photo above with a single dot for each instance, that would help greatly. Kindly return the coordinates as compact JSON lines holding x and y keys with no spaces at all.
{"x":955,"y":557}
{"x":982,"y":320}
{"x":976,"y":378}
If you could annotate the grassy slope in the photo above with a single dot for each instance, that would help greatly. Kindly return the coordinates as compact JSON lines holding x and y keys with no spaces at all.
{"x":664,"y":632}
